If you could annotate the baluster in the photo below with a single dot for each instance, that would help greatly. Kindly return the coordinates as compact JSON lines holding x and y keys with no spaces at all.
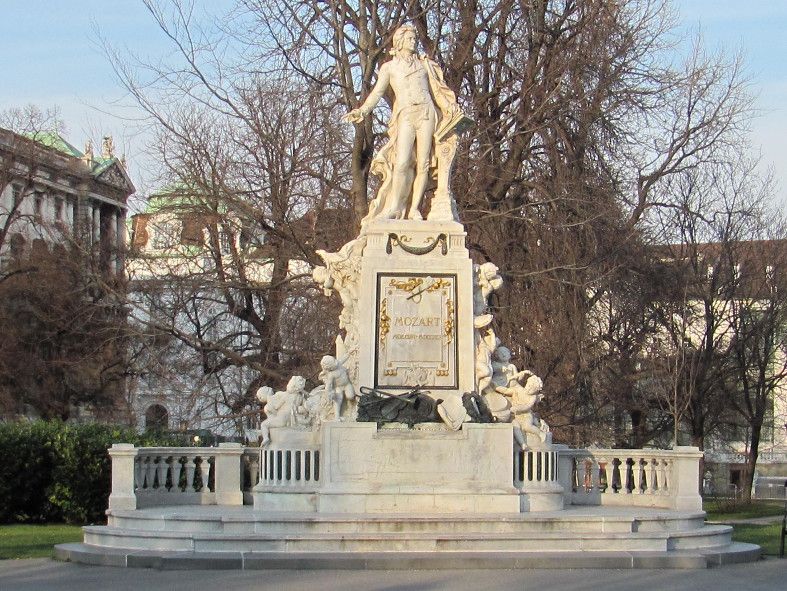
{"x":595,"y":474}
{"x":547,"y":464}
{"x":603,"y":475}
{"x":653,"y":483}
{"x":587,"y":475}
{"x":169,"y":474}
{"x":161,"y":473}
{"x":667,"y":476}
{"x":638,"y":473}
{"x":254,"y":470}
{"x":629,"y":486}
{"x":201,"y":469}
{"x":150,"y":472}
{"x":616,"y":481}
{"x":275,"y":465}
{"x":303,"y":466}
{"x":210,"y":484}
{"x":139,"y":474}
{"x":574,"y":475}
{"x":190,"y":466}
{"x":661,"y":475}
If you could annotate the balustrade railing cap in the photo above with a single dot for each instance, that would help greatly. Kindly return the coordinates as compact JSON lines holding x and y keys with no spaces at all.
{"x":122,"y":446}
{"x":230,"y":445}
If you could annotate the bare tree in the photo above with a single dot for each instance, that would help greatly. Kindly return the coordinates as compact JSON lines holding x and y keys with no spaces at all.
{"x":759,"y":346}
{"x":581,"y":121}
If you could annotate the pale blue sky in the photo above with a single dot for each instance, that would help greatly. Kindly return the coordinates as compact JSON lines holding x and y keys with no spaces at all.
{"x":49,"y":55}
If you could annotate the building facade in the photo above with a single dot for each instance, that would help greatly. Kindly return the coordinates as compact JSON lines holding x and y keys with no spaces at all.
{"x":49,"y":191}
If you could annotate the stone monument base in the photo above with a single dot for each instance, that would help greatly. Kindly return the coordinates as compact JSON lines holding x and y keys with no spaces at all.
{"x":425,"y":469}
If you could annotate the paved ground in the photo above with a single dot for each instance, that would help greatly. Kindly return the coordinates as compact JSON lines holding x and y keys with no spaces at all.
{"x":47,"y":575}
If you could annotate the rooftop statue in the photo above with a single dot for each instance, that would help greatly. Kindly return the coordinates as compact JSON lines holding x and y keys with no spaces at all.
{"x":422,"y":134}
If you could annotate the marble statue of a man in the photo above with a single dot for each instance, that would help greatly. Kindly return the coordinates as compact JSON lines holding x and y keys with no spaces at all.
{"x":423,"y":104}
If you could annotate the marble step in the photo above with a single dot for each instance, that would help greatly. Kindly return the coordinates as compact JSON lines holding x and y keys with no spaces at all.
{"x":710,"y":536}
{"x":291,"y":523}
{"x":678,"y":559}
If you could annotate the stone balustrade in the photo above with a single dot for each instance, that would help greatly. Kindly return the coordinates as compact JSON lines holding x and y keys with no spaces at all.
{"x":226,"y":475}
{"x":285,"y":468}
{"x":535,"y":466}
{"x":631,"y":477}
{"x":159,"y":476}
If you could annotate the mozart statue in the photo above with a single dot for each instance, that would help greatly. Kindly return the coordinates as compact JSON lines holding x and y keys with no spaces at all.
{"x":424,"y":112}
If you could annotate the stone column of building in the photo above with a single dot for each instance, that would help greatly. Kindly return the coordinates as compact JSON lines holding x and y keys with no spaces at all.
{"x":95,"y":231}
{"x":120,"y":242}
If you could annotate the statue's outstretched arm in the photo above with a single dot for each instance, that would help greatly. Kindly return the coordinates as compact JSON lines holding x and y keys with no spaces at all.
{"x":383,"y":80}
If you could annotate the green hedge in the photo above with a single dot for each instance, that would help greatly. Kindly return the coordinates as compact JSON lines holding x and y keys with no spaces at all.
{"x":50,"y":471}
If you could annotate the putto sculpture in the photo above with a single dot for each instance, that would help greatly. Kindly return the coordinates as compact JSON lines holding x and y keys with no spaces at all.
{"x":338,"y":386}
{"x":283,"y":409}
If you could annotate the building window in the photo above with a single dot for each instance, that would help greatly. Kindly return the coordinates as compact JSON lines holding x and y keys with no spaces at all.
{"x":16,"y":194}
{"x":38,"y":206}
{"x":165,"y":235}
{"x":225,"y":242}
{"x":58,"y":209}
{"x":156,"y":418}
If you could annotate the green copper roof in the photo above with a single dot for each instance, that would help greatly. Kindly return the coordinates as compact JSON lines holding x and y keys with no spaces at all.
{"x":54,"y":140}
{"x":177,"y":196}
{"x":101,"y":164}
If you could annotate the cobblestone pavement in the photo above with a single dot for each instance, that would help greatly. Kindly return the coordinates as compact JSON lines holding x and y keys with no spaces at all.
{"x":47,"y":575}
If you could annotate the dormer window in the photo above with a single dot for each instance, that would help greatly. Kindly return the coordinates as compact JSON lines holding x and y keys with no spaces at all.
{"x":164,"y":235}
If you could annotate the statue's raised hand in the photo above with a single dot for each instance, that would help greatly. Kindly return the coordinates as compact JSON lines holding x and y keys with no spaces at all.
{"x":354,"y":116}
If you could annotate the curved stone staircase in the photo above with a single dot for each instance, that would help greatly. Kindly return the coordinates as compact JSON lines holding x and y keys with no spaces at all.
{"x":240,"y":538}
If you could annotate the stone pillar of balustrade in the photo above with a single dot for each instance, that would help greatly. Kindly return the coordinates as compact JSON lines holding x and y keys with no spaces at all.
{"x":686,"y":478}
{"x":227,"y":474}
{"x":123,"y":495}
{"x":565,"y":465}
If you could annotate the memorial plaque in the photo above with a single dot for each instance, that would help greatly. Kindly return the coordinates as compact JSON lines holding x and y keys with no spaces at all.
{"x":416,"y":331}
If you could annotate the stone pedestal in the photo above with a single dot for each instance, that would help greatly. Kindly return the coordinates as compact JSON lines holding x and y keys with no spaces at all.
{"x":428,"y":469}
{"x":123,"y":494}
{"x":686,"y":478}
{"x":416,"y":308}
{"x":227,"y":476}
{"x":360,"y":468}
{"x":537,"y":475}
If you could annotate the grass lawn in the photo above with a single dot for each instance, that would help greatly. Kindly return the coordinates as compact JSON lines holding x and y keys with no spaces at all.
{"x":767,"y":536}
{"x":35,"y":541}
{"x":724,"y":510}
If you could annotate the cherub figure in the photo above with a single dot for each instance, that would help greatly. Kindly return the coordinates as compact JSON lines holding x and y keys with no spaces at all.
{"x":282,"y":409}
{"x":523,"y":398}
{"x":487,"y":280}
{"x":503,"y":371}
{"x":337,"y":383}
